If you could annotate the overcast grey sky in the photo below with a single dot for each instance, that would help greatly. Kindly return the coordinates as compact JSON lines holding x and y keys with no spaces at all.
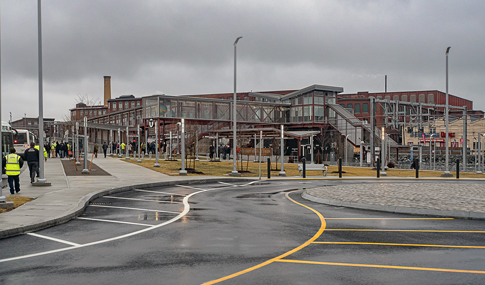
{"x":186,"y":47}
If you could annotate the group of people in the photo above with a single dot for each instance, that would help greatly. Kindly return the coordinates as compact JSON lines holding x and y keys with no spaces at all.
{"x":13,"y":163}
{"x":58,"y":149}
{"x":224,"y":151}
{"x":122,"y":148}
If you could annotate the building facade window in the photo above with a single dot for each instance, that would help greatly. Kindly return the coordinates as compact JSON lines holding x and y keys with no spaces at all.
{"x":126,"y":105}
{"x":404,"y":98}
{"x":114,"y":106}
{"x":365,"y":108}
{"x":357,"y":108}
{"x":137,"y":103}
{"x":349,"y":106}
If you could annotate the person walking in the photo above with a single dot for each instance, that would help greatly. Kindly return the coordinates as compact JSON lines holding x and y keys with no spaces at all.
{"x":45,"y":157}
{"x":31,"y":155}
{"x":123,"y":145}
{"x":13,"y":162}
{"x":95,"y":150}
{"x":211,"y":152}
{"x":105,"y":148}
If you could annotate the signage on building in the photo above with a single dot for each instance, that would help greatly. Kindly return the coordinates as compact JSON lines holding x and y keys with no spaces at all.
{"x":451,"y":135}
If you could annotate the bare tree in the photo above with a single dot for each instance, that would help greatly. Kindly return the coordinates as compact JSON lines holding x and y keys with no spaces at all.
{"x":84,"y":98}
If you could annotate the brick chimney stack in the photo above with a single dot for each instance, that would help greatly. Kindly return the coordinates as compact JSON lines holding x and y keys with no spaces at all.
{"x":107,"y":90}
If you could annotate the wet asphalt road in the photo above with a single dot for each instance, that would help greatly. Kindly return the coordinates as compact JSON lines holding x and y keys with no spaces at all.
{"x":145,"y":237}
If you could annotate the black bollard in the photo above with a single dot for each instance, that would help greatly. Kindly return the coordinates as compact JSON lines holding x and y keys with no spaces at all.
{"x":378,"y":166}
{"x":269,"y":167}
{"x":303,"y":160}
{"x":340,"y":168}
{"x":417,"y":168}
{"x":457,"y":169}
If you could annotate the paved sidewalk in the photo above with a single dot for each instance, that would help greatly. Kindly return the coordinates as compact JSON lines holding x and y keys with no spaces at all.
{"x":449,"y":199}
{"x":68,"y":195}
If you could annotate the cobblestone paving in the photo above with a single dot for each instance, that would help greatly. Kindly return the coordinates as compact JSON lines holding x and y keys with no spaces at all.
{"x":436,"y":196}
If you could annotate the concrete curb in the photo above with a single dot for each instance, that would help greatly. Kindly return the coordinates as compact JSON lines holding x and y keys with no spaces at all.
{"x":84,"y":202}
{"x":394,"y":209}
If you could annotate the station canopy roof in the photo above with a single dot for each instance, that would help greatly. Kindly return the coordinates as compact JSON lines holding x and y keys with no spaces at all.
{"x":267,"y":132}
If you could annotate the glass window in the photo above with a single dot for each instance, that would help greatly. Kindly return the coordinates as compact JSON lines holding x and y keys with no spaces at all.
{"x":343,"y":105}
{"x":319,"y":100}
{"x":296,"y":114}
{"x":120,"y":105}
{"x":349,"y":106}
{"x":307,"y":112}
{"x":104,"y":112}
{"x":319,"y":113}
{"x":132,"y":104}
{"x":126,"y":105}
{"x":431,"y":98}
{"x":308,"y":99}
{"x":90,"y":112}
{"x":395,"y":97}
{"x":300,"y":100}
{"x":412,"y":98}
{"x":137,"y":103}
{"x":422,"y":98}
{"x":114,"y":106}
{"x":404,"y":98}
{"x":357,"y":108}
{"x":365,"y":108}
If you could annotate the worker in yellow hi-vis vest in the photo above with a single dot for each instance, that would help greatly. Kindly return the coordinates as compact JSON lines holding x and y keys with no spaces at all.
{"x":123,"y":146}
{"x":13,"y":162}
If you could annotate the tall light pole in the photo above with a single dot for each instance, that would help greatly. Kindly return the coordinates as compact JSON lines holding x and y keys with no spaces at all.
{"x":447,"y":171}
{"x":3,"y":199}
{"x":282,"y":146}
{"x":41,"y":100}
{"x":234,"y":144}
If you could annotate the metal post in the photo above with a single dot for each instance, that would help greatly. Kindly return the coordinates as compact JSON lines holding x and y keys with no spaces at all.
{"x":361,"y":153}
{"x":196,"y":147}
{"x":464,"y":145}
{"x":383,"y":152}
{"x":457,"y":169}
{"x":110,"y":142}
{"x":340,"y":167}
{"x":417,"y":168}
{"x":311,"y":149}
{"x":234,"y":114}
{"x":3,"y":199}
{"x":119,"y":143}
{"x":156,"y":145}
{"x":255,"y":148}
{"x":139,"y":145}
{"x":127,"y":142}
{"x":269,"y":167}
{"x":217,"y":147}
{"x":260,"y":139}
{"x":170,"y":156}
{"x":479,"y":164}
{"x":85,"y":170}
{"x":282,"y":145}
{"x":41,"y":99}
{"x":447,"y":171}
{"x":372,"y":129}
{"x":378,"y":167}
{"x":182,"y":127}
{"x":77,"y":144}
{"x":346,"y":161}
{"x":178,"y":139}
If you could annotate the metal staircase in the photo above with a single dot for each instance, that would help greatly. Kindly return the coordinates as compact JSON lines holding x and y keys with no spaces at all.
{"x":349,"y":125}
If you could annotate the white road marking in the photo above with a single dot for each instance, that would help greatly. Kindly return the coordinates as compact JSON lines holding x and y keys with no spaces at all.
{"x":178,"y":217}
{"x":190,"y":187}
{"x":136,"y":199}
{"x":233,"y":185}
{"x":158,"y":192}
{"x":113,"y":221}
{"x":135,"y":209}
{"x":54,"y":239}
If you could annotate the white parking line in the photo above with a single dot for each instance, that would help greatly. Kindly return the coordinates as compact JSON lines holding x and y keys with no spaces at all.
{"x":54,"y":239}
{"x":178,"y":217}
{"x":158,"y":192}
{"x":136,"y":199}
{"x":136,"y":209}
{"x":234,"y":185}
{"x":113,"y":221}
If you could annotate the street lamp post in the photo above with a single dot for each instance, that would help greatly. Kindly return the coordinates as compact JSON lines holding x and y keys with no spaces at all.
{"x":156,"y":146}
{"x":234,"y":141}
{"x":85,"y":170}
{"x":127,"y":142}
{"x":346,"y":138}
{"x":383,"y":152}
{"x":447,"y":171}
{"x":182,"y":127}
{"x":119,"y":143}
{"x":282,"y":145}
{"x":77,"y":144}
{"x":139,"y":147}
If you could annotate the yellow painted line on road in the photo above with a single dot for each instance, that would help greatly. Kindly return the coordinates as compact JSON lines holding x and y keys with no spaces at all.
{"x":310,"y":241}
{"x":389,"y":218}
{"x":416,"y":231}
{"x":400,"y":244}
{"x":382,"y":266}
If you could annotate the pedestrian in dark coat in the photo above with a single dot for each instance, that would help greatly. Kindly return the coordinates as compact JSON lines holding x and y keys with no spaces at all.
{"x":211,"y":152}
{"x":31,"y":155}
{"x":105,"y":148}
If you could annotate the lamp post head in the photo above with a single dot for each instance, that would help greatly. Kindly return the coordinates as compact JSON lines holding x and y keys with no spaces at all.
{"x":235,"y":43}
{"x":447,"y":50}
